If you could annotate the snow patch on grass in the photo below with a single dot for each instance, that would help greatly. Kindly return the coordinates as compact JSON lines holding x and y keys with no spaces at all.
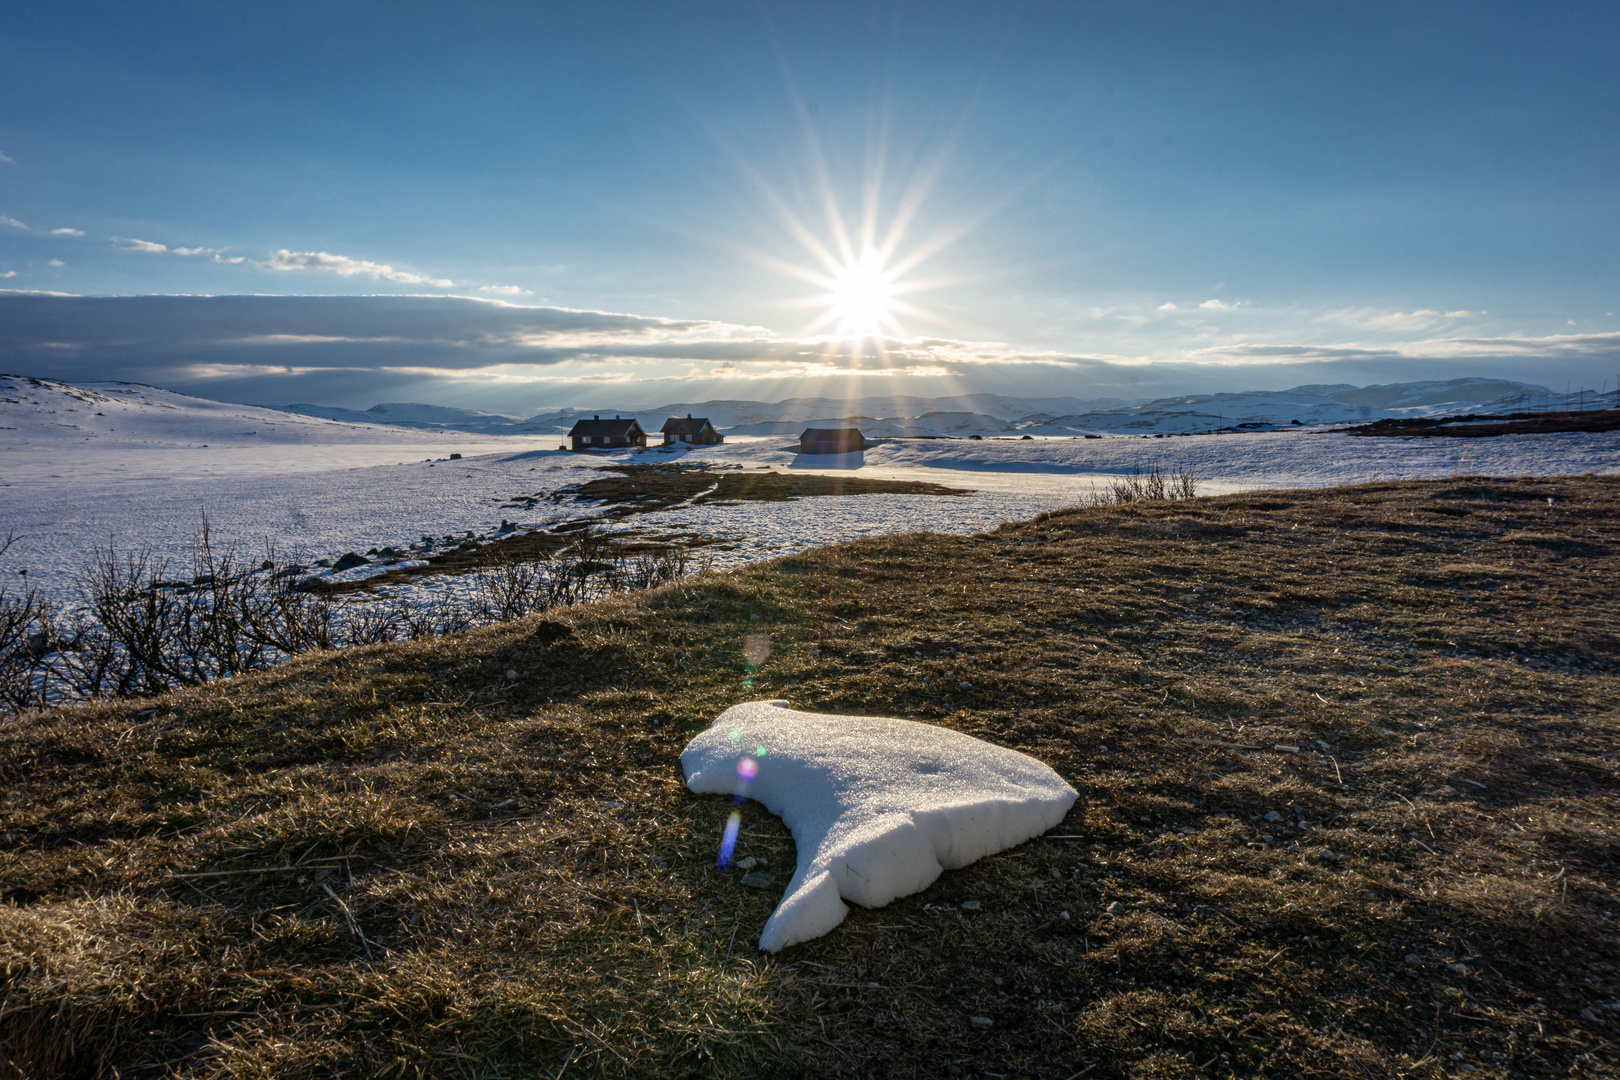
{"x":878,"y":807}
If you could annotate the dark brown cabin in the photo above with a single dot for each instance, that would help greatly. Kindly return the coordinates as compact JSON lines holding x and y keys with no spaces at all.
{"x":831,"y":441}
{"x":599,"y":434}
{"x":695,"y":431}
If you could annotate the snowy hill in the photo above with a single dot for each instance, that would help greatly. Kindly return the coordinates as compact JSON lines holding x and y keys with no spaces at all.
{"x":52,"y":430}
{"x":1305,"y":405}
{"x":991,"y":414}
{"x":1451,"y":394}
{"x":431,"y":417}
{"x":46,"y":410}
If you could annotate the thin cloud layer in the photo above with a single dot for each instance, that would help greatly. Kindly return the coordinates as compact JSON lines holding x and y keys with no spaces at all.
{"x":151,"y":247}
{"x":345,"y":267}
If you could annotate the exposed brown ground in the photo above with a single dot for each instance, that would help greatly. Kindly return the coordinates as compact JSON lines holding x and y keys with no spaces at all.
{"x":505,"y":877}
{"x":639,"y":489}
{"x":1478,"y":427}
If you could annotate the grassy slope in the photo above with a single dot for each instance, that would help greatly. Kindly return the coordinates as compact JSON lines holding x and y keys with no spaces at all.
{"x":493,"y":876}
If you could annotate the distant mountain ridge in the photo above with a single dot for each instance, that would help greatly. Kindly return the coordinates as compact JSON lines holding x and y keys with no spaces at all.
{"x":988,"y":414}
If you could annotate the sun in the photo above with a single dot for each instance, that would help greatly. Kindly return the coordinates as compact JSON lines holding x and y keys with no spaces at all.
{"x":862,"y":301}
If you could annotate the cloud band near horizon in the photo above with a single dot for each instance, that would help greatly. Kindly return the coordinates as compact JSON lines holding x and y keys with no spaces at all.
{"x":356,"y":350}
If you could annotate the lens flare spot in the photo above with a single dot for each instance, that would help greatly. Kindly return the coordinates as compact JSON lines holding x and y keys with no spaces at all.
{"x":736,"y":734}
{"x":747,"y":769}
{"x":756,"y":649}
{"x":728,"y":839}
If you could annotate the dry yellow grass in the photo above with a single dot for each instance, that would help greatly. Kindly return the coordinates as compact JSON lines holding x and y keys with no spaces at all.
{"x":398,"y":861}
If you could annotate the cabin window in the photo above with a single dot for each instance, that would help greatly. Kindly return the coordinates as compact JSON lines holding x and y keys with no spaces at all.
{"x":586,"y":439}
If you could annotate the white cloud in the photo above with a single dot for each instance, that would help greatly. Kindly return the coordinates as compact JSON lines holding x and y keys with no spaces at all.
{"x":1218,"y":305}
{"x":1167,"y":306}
{"x":13,"y":222}
{"x":307,"y":339}
{"x":57,"y":262}
{"x":1548,"y":347}
{"x":343,"y":266}
{"x":162,"y":249}
{"x":8,"y":159}
{"x":9,"y":273}
{"x":1397,"y":321}
{"x":505,"y":290}
{"x":67,"y":232}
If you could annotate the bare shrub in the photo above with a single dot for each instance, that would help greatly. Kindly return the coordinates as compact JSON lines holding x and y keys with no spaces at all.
{"x":26,"y":639}
{"x":139,"y":631}
{"x":656,"y":568}
{"x":510,"y":589}
{"x":1153,"y":482}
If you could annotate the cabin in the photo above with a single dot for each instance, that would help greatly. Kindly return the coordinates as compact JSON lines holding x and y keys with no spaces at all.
{"x":695,"y":431}
{"x":599,"y":434}
{"x":831,"y":441}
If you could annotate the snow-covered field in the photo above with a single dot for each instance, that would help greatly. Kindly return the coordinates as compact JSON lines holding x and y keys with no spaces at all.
{"x":138,"y":467}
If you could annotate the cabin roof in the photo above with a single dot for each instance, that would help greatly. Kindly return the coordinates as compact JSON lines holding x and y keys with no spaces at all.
{"x":690,"y":425}
{"x":616,"y":428}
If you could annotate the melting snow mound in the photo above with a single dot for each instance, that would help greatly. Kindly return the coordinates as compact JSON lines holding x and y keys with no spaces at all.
{"x":878,"y":807}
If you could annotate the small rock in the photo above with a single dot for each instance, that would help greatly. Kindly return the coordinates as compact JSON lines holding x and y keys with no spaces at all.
{"x":1460,"y":969}
{"x":749,"y":863}
{"x":455,"y":457}
{"x":967,"y":686}
{"x":757,"y":880}
{"x":350,"y":561}
{"x":1414,"y":959}
{"x":1273,"y":816}
{"x":971,"y":905}
{"x":981,"y":1022}
{"x":511,"y":673}
{"x":38,"y":644}
{"x":1204,"y":912}
{"x":1064,"y":915}
{"x":1116,"y":908}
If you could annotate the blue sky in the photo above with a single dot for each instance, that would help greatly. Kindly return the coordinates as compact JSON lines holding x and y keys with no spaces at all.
{"x":1078,"y":199}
